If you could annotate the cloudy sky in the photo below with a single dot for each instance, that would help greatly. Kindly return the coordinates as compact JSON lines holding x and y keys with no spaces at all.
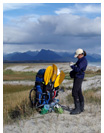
{"x":55,"y":26}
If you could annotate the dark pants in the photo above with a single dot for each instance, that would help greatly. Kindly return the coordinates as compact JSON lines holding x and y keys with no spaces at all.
{"x":77,"y":91}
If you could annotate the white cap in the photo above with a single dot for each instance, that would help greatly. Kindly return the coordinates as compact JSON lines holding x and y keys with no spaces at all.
{"x":78,"y":51}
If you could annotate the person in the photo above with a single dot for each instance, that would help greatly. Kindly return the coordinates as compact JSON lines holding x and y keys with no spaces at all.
{"x":78,"y":71}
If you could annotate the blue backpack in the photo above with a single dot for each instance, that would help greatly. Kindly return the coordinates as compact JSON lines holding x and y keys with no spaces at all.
{"x":44,"y":93}
{"x":39,"y":84}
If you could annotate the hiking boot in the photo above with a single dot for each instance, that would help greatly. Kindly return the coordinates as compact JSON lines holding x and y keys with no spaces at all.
{"x":82,"y":106}
{"x":74,"y":107}
{"x":77,"y":109}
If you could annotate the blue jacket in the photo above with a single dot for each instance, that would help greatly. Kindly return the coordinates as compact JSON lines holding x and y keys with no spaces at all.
{"x":80,"y":67}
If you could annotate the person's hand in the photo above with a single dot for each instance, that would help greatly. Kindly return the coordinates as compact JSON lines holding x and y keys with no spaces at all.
{"x":71,"y":64}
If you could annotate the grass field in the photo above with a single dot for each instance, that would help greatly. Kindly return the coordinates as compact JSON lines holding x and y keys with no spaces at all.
{"x":90,"y":96}
{"x":16,"y":102}
{"x":16,"y":97}
{"x":9,"y":75}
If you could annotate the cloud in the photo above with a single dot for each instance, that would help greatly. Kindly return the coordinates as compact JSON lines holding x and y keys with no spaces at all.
{"x":14,"y":6}
{"x":90,"y":9}
{"x":60,"y":32}
{"x":64,"y":11}
{"x":77,"y":26}
{"x":80,"y":8}
{"x":50,"y":26}
{"x":14,"y":35}
{"x":9,"y":6}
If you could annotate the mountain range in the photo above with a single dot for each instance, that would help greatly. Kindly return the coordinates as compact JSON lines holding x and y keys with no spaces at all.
{"x":46,"y":56}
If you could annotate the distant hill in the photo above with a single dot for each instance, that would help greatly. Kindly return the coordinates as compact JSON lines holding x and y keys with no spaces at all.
{"x":32,"y":53}
{"x":17,"y":57}
{"x":46,"y":56}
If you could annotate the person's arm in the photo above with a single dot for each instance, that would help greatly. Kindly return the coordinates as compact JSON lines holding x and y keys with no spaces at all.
{"x":79,"y":66}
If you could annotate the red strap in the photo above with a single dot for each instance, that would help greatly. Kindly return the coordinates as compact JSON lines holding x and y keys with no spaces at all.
{"x":54,"y":94}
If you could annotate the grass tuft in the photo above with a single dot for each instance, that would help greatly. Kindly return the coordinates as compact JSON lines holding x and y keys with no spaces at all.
{"x":90,"y":73}
{"x":90,"y":96}
{"x":22,"y":110}
{"x":16,"y":104}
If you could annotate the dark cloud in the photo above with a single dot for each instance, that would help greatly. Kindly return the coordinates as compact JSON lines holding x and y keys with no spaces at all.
{"x":60,"y":32}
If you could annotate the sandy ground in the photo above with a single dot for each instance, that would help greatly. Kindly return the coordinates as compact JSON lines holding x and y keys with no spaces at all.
{"x":35,"y":67}
{"x":87,"y":122}
{"x":89,"y":83}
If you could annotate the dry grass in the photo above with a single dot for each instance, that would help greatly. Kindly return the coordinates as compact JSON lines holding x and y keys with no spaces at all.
{"x":9,"y":75}
{"x":67,"y":76}
{"x":90,"y":73}
{"x":90,"y":96}
{"x":16,"y":102}
{"x":9,"y":89}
